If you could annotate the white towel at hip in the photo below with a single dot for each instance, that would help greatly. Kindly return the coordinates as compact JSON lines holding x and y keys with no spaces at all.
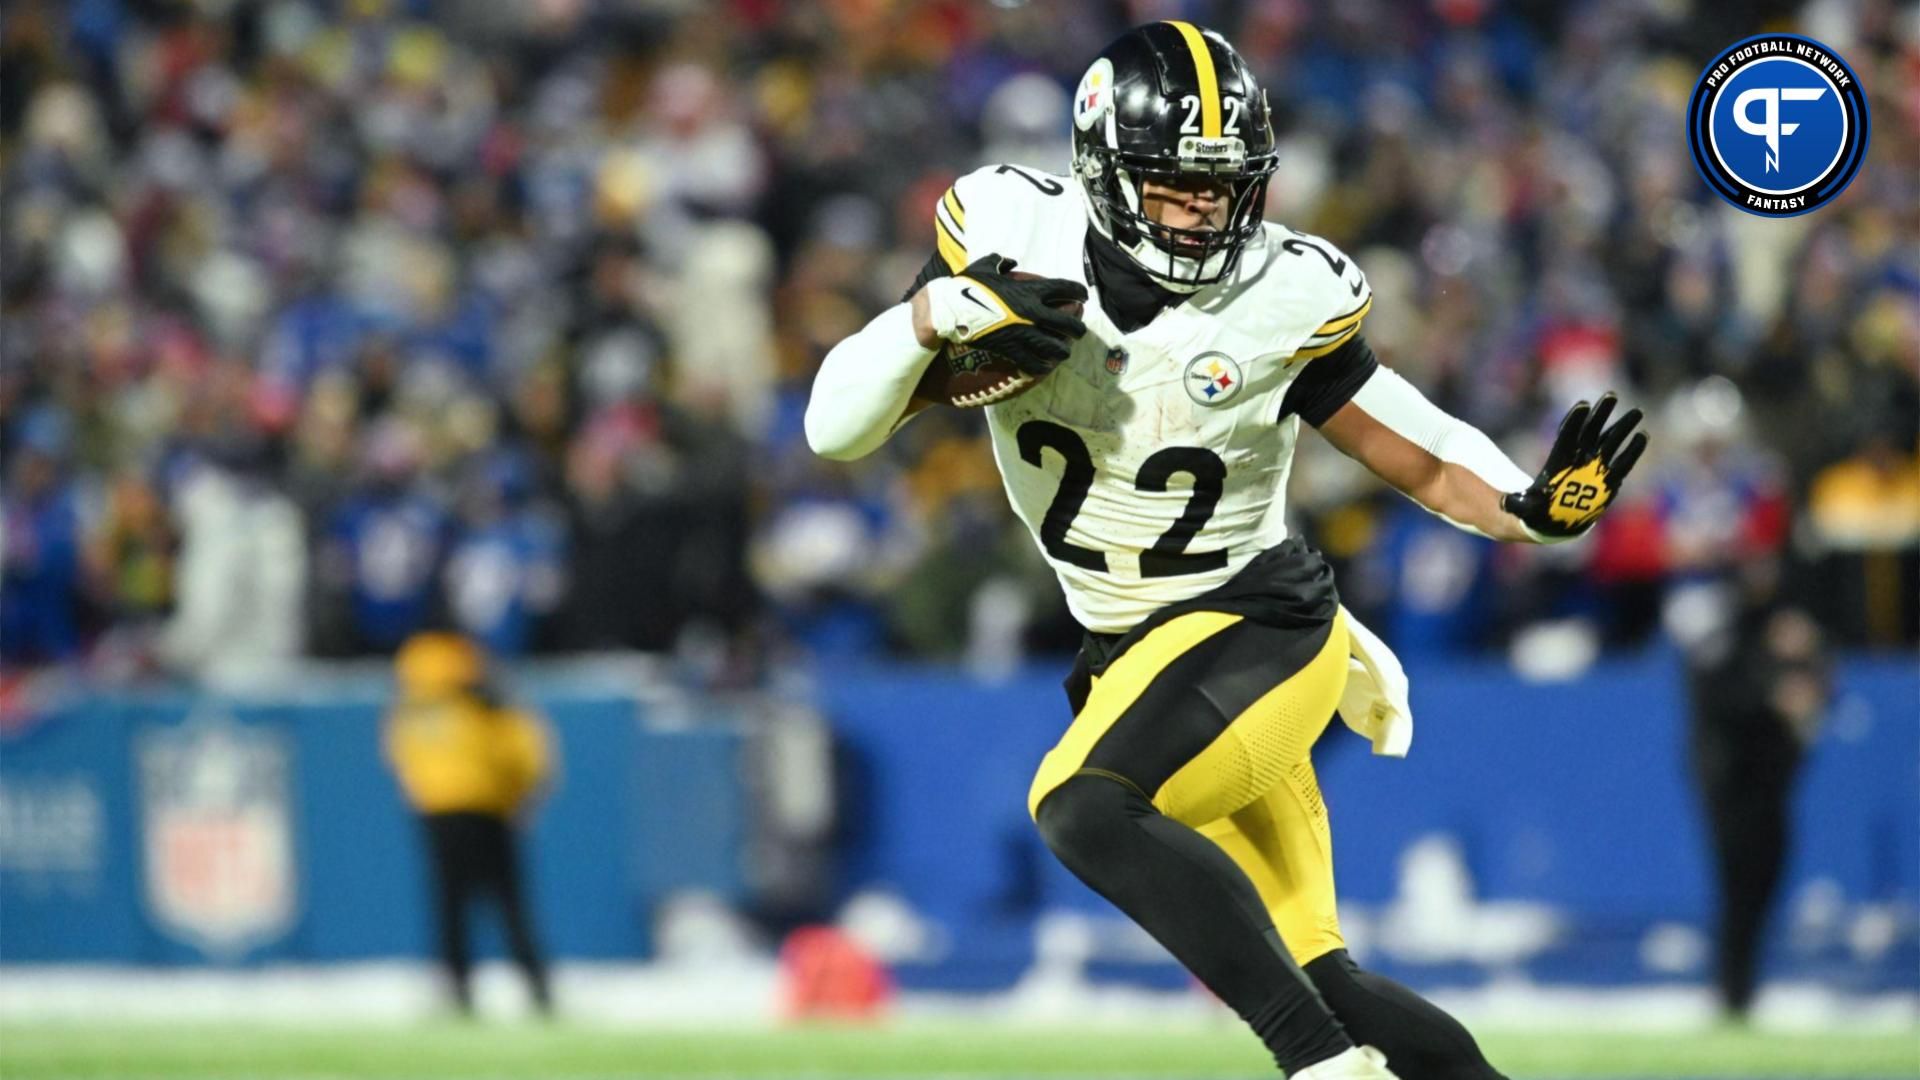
{"x":1375,"y":702}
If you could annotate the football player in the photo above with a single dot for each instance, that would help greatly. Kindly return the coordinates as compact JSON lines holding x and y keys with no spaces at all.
{"x":1150,"y":462}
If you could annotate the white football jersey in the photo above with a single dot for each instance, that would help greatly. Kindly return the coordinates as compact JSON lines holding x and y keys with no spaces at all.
{"x":1152,"y":465}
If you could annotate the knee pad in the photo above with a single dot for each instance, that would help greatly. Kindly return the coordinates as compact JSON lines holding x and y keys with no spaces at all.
{"x":1084,"y":816}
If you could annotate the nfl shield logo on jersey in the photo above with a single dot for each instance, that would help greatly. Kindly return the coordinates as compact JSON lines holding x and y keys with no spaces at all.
{"x":1116,"y":361}
{"x":217,"y":832}
{"x":1213,"y":378}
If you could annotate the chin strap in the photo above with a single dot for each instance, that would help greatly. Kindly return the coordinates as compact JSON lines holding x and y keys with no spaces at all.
{"x":1147,"y":255}
{"x":1146,"y":249}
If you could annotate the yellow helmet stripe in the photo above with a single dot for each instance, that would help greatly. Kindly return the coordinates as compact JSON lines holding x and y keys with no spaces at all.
{"x":1209,"y":82}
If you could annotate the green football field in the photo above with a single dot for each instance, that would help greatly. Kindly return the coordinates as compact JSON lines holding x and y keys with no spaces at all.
{"x":948,"y":1050}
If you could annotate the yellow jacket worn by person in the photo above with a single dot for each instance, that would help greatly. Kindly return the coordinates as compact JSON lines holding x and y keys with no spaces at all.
{"x":454,"y":749}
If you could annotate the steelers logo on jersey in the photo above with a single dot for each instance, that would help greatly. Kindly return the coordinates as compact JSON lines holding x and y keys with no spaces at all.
{"x":1213,"y":379}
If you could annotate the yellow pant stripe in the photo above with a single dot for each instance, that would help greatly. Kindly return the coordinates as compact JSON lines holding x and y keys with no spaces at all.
{"x":1123,"y":683}
{"x":951,"y":250}
{"x":1209,"y":82}
{"x":1260,"y":745}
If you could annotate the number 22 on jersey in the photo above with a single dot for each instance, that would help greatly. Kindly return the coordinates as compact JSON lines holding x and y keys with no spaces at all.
{"x":1169,"y":556}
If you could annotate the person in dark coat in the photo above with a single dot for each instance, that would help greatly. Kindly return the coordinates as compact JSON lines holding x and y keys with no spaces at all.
{"x":1759,"y":690}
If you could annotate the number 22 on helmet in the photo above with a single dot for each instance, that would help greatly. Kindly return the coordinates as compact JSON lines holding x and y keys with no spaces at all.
{"x":1171,"y":104}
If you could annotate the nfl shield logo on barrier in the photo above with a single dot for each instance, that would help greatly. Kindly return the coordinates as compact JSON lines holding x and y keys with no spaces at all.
{"x":217,"y":833}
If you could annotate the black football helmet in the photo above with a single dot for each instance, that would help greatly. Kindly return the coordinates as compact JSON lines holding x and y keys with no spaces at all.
{"x":1169,"y":101}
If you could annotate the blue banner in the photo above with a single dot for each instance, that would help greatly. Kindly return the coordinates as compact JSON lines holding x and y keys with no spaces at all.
{"x":175,"y":829}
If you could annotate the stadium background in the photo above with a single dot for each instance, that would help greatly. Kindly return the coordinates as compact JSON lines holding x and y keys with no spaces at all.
{"x":326,"y":321}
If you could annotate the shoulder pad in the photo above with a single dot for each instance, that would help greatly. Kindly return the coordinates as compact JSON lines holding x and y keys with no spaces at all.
{"x":1326,"y":294}
{"x":1004,"y":205}
{"x":1340,"y":296}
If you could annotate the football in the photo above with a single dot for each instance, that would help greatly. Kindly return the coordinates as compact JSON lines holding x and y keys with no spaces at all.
{"x":970,"y":377}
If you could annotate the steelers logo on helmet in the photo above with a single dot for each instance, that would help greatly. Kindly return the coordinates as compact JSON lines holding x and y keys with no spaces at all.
{"x":1778,"y":125}
{"x":1094,"y":98}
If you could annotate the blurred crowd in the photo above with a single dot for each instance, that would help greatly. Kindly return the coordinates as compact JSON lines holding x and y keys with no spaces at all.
{"x":326,"y":321}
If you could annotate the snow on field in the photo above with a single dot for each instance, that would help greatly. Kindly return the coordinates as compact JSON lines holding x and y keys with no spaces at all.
{"x":746,"y":994}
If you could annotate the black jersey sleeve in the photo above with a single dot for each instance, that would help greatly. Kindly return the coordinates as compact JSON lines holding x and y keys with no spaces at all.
{"x":936,"y":268}
{"x":1330,"y":381}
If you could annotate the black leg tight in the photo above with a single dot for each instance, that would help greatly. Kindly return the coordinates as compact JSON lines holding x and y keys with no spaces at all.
{"x":1190,"y":896}
{"x":1420,"y":1041}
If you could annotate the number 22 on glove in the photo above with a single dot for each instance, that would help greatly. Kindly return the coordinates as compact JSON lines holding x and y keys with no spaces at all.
{"x":1583,"y":472}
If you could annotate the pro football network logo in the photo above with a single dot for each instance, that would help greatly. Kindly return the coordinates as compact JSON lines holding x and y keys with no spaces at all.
{"x":1778,"y":125}
{"x":1213,"y":378}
